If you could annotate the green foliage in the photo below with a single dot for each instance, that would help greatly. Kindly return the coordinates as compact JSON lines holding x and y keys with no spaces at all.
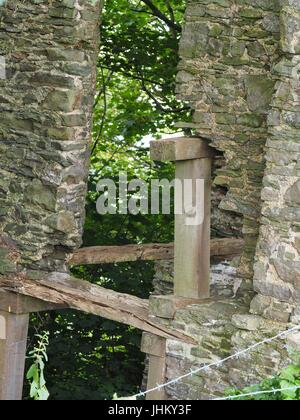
{"x":136,"y":98}
{"x":137,"y":69}
{"x":136,"y":79}
{"x":289,"y":378}
{"x":35,"y":374}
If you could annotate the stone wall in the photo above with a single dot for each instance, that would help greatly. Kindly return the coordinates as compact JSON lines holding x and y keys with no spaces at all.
{"x":239,"y":70}
{"x":227,"y":50}
{"x":232,"y":320}
{"x":277,"y":270}
{"x":46,"y":97}
{"x":223,"y":327}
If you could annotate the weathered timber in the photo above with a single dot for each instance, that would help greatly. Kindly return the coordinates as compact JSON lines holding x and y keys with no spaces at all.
{"x":20,"y":304}
{"x":193,"y":162}
{"x":125,"y":253}
{"x":155,"y":347}
{"x":81,"y":295}
{"x":157,"y":376}
{"x":227,"y":248}
{"x":180,"y":148}
{"x":13,"y":340}
{"x":192,"y":234}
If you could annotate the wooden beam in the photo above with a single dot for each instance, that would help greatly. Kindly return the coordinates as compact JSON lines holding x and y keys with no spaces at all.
{"x":180,"y":148}
{"x":156,"y":376}
{"x":20,"y":304}
{"x":155,"y":348}
{"x":125,"y":253}
{"x":13,"y":341}
{"x":221,"y":248}
{"x":192,"y":240}
{"x":153,"y":345}
{"x":81,"y":295}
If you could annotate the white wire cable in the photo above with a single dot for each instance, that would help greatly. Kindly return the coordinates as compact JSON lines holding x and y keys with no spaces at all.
{"x":217,"y":364}
{"x":250,"y":394}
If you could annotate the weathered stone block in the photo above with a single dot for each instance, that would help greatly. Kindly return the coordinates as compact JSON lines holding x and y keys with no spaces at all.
{"x":293,"y":193}
{"x":7,"y":265}
{"x":41,"y":195}
{"x":290,"y":38}
{"x":62,"y":100}
{"x":247,"y":322}
{"x":64,"y":222}
{"x":293,"y":341}
{"x":260,"y":90}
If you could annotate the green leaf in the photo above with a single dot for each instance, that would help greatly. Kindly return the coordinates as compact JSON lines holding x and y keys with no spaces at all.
{"x":43,"y":394}
{"x":42,"y":380}
{"x":33,"y":373}
{"x":291,"y":394}
{"x":290,"y":374}
{"x":34,"y":389}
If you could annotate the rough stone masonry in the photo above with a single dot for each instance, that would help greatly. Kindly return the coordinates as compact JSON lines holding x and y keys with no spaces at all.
{"x":239,"y":70}
{"x":46,"y":98}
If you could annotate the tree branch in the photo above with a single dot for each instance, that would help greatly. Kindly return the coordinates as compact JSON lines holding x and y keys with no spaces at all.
{"x":172,"y":25}
{"x":158,"y":104}
{"x":103,"y":115}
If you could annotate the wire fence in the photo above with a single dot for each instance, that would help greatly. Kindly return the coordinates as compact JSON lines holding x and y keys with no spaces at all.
{"x":256,"y":393}
{"x":217,"y":364}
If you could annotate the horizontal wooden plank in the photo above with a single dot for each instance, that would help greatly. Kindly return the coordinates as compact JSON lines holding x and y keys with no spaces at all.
{"x":180,"y":148}
{"x":228,"y":247}
{"x":125,"y":253}
{"x":81,"y":295}
{"x":154,"y":345}
{"x":20,"y":304}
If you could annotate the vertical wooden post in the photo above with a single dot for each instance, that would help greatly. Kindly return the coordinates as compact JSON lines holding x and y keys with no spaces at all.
{"x":155,"y":347}
{"x":193,"y":160}
{"x":13,"y":341}
{"x":192,"y":242}
{"x":156,"y":376}
{"x":14,"y":320}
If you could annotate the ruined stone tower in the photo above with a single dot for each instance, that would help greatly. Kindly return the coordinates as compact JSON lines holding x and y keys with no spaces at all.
{"x":239,"y":71}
